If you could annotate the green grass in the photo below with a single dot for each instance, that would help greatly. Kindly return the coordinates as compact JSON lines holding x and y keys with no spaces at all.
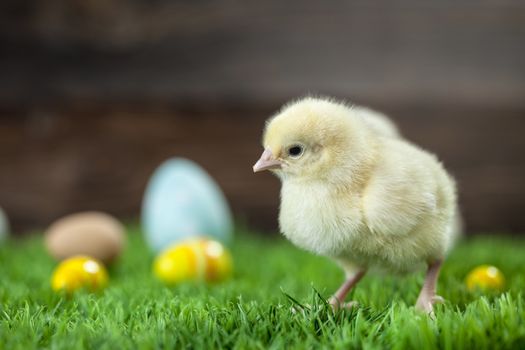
{"x":253,"y":310}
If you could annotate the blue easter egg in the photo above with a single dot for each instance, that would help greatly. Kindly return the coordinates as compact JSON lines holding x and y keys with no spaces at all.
{"x":182,"y":201}
{"x":4,"y":225}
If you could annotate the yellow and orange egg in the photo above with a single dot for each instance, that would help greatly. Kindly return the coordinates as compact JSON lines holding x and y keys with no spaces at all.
{"x":194,"y":260}
{"x":485,"y":278}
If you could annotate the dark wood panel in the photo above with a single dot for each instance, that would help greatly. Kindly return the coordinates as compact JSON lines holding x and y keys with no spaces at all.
{"x":399,"y":52}
{"x":59,"y":160}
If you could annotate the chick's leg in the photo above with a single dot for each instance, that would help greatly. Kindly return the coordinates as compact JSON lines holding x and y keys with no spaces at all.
{"x":337,"y":300}
{"x":427,"y":297}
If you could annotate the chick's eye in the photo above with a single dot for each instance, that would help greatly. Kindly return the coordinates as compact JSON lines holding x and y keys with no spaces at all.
{"x":295,"y":151}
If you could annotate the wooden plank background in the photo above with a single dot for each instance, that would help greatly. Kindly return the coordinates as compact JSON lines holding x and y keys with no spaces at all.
{"x":95,"y":94}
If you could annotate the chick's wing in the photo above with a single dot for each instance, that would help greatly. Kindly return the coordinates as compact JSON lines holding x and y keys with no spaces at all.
{"x":402,"y":191}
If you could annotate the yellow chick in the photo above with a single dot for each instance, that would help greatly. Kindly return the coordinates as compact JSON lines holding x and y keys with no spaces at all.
{"x":355,"y":191}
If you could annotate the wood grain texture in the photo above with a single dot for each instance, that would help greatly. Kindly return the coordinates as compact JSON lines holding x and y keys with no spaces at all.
{"x":63,"y":160}
{"x":459,"y":52}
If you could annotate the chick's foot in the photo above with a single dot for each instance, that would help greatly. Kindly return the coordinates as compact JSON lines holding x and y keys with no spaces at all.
{"x":427,"y":297}
{"x":337,"y":305}
{"x":337,"y":300}
{"x":426,"y":304}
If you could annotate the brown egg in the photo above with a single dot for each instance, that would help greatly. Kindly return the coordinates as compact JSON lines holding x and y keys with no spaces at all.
{"x":95,"y":234}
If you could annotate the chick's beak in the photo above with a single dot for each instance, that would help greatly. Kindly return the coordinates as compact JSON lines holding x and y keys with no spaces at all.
{"x":267,"y":162}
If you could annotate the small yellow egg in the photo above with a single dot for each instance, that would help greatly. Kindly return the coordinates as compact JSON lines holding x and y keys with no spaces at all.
{"x":486,"y":278}
{"x":194,"y":260}
{"x":79,"y":272}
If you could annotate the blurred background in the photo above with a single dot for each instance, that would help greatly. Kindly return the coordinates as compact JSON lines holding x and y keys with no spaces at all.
{"x":95,"y":94}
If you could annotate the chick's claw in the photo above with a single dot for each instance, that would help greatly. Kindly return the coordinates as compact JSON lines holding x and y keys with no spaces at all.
{"x":426,"y":304}
{"x":437,"y":299}
{"x":337,"y":305}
